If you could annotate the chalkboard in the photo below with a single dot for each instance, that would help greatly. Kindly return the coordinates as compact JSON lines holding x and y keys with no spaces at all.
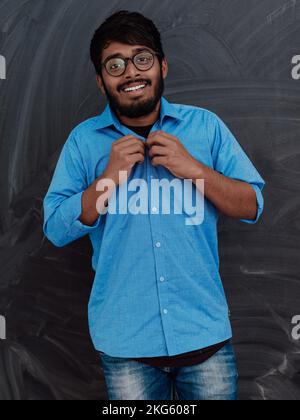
{"x":237,"y":58}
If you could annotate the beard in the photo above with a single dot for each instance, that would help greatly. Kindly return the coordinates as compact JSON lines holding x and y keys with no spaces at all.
{"x":140,"y":107}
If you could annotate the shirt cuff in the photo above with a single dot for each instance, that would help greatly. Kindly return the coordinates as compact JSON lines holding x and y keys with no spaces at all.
{"x":260,"y":205}
{"x":71,"y":210}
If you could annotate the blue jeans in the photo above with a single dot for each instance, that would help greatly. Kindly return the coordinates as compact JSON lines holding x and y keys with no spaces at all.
{"x":215,"y":379}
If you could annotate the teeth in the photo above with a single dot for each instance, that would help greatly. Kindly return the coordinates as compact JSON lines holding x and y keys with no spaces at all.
{"x":135,"y":88}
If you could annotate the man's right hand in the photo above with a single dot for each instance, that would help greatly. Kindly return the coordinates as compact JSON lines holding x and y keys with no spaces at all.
{"x":125,"y":153}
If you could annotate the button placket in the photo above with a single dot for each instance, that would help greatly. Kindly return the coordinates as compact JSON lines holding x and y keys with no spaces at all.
{"x":154,"y":218}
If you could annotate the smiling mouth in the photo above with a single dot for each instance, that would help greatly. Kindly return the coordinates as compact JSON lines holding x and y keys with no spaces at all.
{"x":135,"y":90}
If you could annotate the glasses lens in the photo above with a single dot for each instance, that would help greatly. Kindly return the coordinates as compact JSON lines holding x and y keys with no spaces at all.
{"x":144,"y":61}
{"x":115,"y":66}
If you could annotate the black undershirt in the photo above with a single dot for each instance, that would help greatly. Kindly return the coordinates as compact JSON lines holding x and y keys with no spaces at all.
{"x":141,"y":131}
{"x":187,"y":359}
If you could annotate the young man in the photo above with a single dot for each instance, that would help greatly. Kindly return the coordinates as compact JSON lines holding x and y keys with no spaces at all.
{"x":158,"y":312}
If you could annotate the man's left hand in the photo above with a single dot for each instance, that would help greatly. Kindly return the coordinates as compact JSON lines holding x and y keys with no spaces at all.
{"x":168,"y":151}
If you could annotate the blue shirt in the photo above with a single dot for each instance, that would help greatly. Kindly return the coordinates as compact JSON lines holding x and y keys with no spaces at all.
{"x":157,"y":289}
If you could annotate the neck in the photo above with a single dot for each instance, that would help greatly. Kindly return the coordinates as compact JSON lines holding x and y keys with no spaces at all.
{"x":142,"y":121}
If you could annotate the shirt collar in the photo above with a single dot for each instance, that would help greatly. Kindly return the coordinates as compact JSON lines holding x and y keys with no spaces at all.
{"x":108,"y":117}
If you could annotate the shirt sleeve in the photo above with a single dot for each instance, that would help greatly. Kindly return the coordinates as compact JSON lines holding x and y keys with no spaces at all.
{"x":231,"y":160}
{"x":62,"y":203}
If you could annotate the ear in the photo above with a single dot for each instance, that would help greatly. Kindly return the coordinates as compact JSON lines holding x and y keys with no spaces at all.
{"x":100,"y":83}
{"x":165,"y":68}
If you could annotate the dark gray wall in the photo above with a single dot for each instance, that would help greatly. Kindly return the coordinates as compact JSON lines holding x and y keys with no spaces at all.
{"x":230,"y":56}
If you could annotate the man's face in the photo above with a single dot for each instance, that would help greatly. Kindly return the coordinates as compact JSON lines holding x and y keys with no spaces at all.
{"x":134,"y":104}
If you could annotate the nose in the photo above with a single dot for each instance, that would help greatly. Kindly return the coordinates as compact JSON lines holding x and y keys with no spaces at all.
{"x":131,"y":70}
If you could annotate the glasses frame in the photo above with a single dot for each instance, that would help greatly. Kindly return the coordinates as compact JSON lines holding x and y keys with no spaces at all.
{"x":127,"y":59}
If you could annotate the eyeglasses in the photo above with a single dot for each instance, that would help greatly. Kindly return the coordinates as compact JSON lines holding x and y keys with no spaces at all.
{"x":117,"y":66}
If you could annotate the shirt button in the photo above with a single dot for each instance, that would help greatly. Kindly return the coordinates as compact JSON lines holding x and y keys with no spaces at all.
{"x":154,"y":210}
{"x":162,"y":279}
{"x":165,"y":311}
{"x":158,"y":245}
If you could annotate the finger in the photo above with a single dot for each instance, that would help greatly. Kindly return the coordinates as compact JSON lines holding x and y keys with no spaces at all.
{"x":162,"y":134}
{"x":157,"y":133}
{"x":163,"y":140}
{"x":137,"y":157}
{"x":158,"y":151}
{"x":158,"y":140}
{"x":134,"y":148}
{"x":129,"y":142}
{"x":126,"y":139}
{"x":159,"y":160}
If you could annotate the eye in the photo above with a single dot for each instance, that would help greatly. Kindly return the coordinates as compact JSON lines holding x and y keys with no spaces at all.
{"x":144,"y":58}
{"x":115,"y":64}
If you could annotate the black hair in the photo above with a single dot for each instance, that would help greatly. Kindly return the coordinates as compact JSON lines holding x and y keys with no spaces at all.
{"x":128,"y":28}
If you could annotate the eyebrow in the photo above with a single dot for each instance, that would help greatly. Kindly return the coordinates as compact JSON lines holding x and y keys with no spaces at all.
{"x":136,"y":50}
